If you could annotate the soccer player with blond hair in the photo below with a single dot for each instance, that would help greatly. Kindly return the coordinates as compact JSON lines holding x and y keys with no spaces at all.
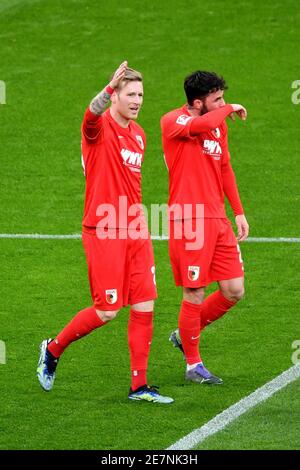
{"x":116,"y":240}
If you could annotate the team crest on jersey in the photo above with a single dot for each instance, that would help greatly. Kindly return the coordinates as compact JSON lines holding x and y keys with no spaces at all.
{"x":111,"y":296}
{"x":217,"y":132}
{"x":183,"y":119}
{"x":140,"y":141}
{"x":193,"y":273}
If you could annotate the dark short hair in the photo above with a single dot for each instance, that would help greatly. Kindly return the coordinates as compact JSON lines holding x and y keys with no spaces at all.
{"x":200,"y":84}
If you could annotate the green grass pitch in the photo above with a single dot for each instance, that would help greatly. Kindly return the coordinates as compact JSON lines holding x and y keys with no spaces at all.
{"x":54,"y":57}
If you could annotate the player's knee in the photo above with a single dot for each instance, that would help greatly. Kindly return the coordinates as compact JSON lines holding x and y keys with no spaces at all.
{"x":194,"y":296}
{"x":241,"y":293}
{"x":147,"y":306}
{"x":235,"y":293}
{"x":106,"y":316}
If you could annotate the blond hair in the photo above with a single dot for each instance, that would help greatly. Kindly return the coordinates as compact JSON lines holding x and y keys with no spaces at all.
{"x":131,"y":75}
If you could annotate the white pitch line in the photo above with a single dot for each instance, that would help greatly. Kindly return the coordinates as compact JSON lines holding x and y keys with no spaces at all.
{"x":272,"y":240}
{"x":250,"y":239}
{"x":229,"y":415}
{"x":76,"y":236}
{"x":40,"y":236}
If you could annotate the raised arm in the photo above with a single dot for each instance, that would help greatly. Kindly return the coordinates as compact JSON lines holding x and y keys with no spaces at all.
{"x":92,"y":121}
{"x":98,"y":104}
{"x":213,"y":119}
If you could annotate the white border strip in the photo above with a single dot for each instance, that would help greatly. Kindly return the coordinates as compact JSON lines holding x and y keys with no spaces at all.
{"x":154,"y":237}
{"x":229,"y":415}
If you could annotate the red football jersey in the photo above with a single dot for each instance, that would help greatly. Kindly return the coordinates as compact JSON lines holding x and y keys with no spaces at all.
{"x":199,"y":166}
{"x":112,"y":158}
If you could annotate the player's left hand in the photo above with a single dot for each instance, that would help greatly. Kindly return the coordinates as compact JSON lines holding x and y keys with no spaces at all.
{"x":242,"y":227}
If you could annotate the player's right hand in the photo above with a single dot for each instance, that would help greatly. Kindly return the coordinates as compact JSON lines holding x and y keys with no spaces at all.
{"x":242,"y":227}
{"x":118,"y":75}
{"x":240,"y":111}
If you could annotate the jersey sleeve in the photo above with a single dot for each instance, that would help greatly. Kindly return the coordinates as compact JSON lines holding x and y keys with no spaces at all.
{"x":210,"y":120}
{"x":91,"y":126}
{"x":224,"y":133}
{"x":183,"y":126}
{"x":229,"y":181}
{"x":144,"y":139}
{"x":176,"y":126}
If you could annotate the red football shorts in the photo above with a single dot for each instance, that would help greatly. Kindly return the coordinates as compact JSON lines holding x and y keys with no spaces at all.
{"x":215,"y":257}
{"x":121,"y":271}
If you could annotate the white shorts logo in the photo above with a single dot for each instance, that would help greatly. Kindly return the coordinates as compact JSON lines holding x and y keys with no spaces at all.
{"x":183,"y":119}
{"x":153,"y":272}
{"x":240,"y":256}
{"x":111,"y":296}
{"x":193,"y":273}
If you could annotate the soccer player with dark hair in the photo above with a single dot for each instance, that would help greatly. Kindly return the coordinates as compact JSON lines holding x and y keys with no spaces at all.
{"x":200,"y":174}
{"x":116,"y":240}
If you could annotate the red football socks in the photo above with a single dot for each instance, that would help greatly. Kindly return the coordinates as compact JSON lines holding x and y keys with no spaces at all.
{"x":214,"y":307}
{"x":138,"y":379}
{"x":189,"y":330}
{"x":140,"y":329}
{"x":82,"y":324}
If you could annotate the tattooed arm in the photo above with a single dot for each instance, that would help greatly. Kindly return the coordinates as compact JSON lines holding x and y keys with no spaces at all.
{"x":98,"y":104}
{"x":92,"y":121}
